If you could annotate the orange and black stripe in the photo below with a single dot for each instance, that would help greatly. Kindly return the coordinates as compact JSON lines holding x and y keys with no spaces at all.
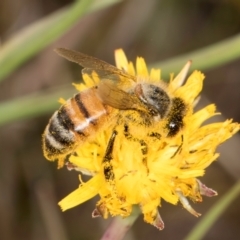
{"x":79,"y":118}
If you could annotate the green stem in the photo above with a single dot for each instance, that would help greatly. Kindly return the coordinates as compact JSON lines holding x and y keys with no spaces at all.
{"x":120,"y":226}
{"x":33,"y":105}
{"x":205,"y":58}
{"x":211,"y":217}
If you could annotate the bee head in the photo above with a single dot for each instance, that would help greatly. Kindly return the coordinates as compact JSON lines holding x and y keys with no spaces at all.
{"x":155,"y":98}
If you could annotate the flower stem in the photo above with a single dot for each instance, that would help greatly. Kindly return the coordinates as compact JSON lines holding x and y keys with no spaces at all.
{"x":120,"y":226}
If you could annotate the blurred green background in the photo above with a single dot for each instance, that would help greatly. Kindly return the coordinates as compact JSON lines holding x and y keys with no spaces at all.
{"x":33,"y":78}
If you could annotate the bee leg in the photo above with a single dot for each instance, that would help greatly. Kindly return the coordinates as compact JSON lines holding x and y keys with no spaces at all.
{"x":143,"y":144}
{"x":144,"y":147}
{"x":155,"y":135}
{"x":178,"y":149}
{"x":144,"y":150}
{"x":107,"y":166}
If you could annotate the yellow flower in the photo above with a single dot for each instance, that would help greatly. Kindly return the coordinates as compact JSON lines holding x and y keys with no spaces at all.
{"x":171,"y":165}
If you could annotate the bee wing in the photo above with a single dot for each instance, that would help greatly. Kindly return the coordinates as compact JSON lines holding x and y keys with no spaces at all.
{"x":103,"y":74}
{"x":115,"y":97}
{"x":102,"y":68}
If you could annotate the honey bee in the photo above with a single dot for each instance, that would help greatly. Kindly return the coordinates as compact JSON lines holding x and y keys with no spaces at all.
{"x":118,"y":96}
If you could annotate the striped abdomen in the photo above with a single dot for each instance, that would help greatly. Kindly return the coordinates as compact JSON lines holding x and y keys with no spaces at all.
{"x":73,"y":124}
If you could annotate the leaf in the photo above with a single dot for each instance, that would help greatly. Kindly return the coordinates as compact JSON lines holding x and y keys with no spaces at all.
{"x":33,"y":38}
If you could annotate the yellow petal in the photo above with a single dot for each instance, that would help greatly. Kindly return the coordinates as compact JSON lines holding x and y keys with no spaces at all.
{"x":191,"y":88}
{"x":131,"y":69}
{"x":82,"y":194}
{"x":141,"y":67}
{"x":121,"y":60}
{"x":155,"y":75}
{"x":198,"y":118}
{"x":180,"y":78}
{"x":62,"y":100}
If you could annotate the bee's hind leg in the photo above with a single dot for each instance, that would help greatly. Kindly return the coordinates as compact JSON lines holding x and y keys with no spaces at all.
{"x":179,"y":148}
{"x":144,"y":146}
{"x":107,"y":166}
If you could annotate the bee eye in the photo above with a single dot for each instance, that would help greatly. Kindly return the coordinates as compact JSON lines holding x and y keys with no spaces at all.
{"x":173,"y":128}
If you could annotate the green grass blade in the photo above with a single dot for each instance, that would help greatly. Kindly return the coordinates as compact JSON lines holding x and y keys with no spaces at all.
{"x":211,"y":217}
{"x":29,"y":41}
{"x":205,"y":58}
{"x":33,"y":105}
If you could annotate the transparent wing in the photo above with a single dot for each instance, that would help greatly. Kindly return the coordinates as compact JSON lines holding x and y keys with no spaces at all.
{"x":104,"y":74}
{"x":90,"y":64}
{"x":115,"y":97}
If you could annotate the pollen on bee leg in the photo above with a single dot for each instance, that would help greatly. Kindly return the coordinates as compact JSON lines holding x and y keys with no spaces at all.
{"x":186,"y":204}
{"x":204,"y":190}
